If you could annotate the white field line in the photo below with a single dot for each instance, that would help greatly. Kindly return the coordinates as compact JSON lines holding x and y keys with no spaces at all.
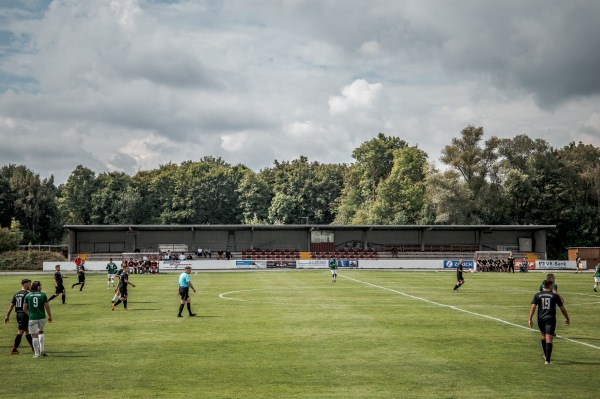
{"x":464,"y":310}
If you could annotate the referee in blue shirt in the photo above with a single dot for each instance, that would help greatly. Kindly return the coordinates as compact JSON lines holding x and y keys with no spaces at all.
{"x":184,"y":290}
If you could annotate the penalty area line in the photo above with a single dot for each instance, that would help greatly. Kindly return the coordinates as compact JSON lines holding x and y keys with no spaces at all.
{"x":464,"y":310}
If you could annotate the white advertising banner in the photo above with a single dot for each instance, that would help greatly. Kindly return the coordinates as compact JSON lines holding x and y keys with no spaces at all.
{"x":558,"y":264}
{"x":179,"y":265}
{"x":312,"y":264}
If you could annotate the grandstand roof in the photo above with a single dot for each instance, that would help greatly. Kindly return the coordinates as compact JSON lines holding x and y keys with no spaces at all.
{"x":164,"y":227}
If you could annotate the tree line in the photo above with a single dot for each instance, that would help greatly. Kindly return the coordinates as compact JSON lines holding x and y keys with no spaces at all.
{"x":515,"y":180}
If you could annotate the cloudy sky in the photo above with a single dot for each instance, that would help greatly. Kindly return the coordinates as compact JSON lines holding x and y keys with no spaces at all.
{"x":131,"y":84}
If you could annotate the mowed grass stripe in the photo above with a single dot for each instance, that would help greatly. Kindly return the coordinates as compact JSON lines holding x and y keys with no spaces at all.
{"x":495,"y":319}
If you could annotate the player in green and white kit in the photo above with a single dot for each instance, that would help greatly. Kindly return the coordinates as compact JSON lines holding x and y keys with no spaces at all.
{"x":111,"y":269}
{"x":597,"y":277}
{"x":36,"y":305}
{"x":333,"y":267}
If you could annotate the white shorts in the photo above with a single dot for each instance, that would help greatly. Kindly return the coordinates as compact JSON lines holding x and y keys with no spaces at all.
{"x":111,"y":276}
{"x":333,"y":272}
{"x":35,"y":326}
{"x":596,"y":279}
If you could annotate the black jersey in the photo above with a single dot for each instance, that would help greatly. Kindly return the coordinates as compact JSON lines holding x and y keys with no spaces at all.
{"x":123,"y":280}
{"x":511,"y":261}
{"x":459,"y":271}
{"x":18,"y":300}
{"x":58,"y":278}
{"x":546,"y":301}
{"x":80,"y":270}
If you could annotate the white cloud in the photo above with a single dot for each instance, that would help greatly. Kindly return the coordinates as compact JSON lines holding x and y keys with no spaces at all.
{"x":357,"y":95}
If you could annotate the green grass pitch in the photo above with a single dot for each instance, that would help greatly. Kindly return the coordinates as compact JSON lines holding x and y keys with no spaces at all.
{"x":294,"y":334}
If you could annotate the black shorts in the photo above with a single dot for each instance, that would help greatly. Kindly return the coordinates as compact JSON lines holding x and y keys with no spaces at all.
{"x":123,"y":290}
{"x":23,"y":321}
{"x":547,"y":326}
{"x":81,"y":278}
{"x":60,"y":289}
{"x":184,"y":292}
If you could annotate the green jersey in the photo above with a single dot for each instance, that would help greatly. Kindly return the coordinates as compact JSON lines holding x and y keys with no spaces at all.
{"x":597,"y":268}
{"x":111,"y":268}
{"x":554,"y":287}
{"x":35,"y":301}
{"x":333,"y":264}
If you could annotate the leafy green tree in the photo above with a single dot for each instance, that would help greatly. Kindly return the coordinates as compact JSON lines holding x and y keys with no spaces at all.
{"x":254,"y":198}
{"x":7,"y":199}
{"x":473,"y":162}
{"x":349,"y":205}
{"x":401,"y":196}
{"x":156,"y":190}
{"x":10,"y":238}
{"x":76,"y":202}
{"x":284,"y":209}
{"x":301,"y":189}
{"x":450,"y":198}
{"x":116,"y":200}
{"x":30,"y":200}
{"x":476,"y":165}
{"x":374,"y":162}
{"x":204,"y":192}
{"x":375,"y":159}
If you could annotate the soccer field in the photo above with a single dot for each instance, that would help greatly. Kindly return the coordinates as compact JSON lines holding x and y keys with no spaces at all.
{"x":293,"y":334}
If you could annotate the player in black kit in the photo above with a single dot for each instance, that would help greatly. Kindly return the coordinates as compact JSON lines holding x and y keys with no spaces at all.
{"x":22,"y":318}
{"x":80,"y":276}
{"x":460,"y":280}
{"x":123,"y":283}
{"x":58,"y":285}
{"x":546,"y":301}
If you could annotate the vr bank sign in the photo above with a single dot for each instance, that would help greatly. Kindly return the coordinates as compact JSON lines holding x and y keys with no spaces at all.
{"x":555,"y":264}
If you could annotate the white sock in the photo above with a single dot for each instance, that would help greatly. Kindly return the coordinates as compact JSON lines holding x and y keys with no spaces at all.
{"x":41,"y":339}
{"x":36,"y":347}
{"x":115,"y":297}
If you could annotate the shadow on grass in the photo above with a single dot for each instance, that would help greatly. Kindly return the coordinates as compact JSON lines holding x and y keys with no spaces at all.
{"x":572,"y":362}
{"x":72,"y":354}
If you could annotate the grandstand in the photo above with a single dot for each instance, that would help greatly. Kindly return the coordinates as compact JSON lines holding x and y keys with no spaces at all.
{"x":289,"y":242}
